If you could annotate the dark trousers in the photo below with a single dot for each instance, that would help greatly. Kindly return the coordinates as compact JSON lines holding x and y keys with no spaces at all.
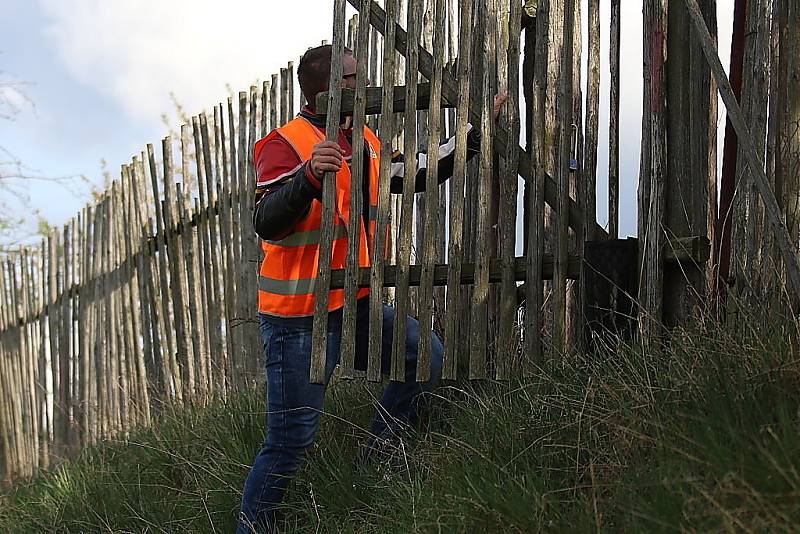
{"x":294,"y":404}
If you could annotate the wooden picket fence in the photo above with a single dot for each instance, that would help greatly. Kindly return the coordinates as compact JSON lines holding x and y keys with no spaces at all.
{"x":143,"y":300}
{"x":147,"y":299}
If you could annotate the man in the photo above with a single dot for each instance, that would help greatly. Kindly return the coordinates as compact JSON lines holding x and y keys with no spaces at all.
{"x":291,"y":162}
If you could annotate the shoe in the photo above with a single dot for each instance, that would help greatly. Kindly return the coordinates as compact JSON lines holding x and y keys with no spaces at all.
{"x":382,"y":452}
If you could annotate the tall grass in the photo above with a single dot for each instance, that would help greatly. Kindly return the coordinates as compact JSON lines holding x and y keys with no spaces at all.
{"x":702,"y":435}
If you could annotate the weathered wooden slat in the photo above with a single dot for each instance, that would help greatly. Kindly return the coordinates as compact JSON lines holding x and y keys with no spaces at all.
{"x":577,"y":185}
{"x":455,"y":249}
{"x":193,"y":319}
{"x":398,"y":358}
{"x":82,"y":395}
{"x":284,"y":99}
{"x":197,"y":375}
{"x":382,"y":220}
{"x":266,"y":88}
{"x":180,"y":361}
{"x":479,"y":23}
{"x":564,"y":130}
{"x":42,"y":368}
{"x":186,"y":270}
{"x":130,"y":339}
{"x":592,"y":116}
{"x":28,"y":364}
{"x":139,"y":389}
{"x":769,"y":253}
{"x":241,"y":214}
{"x":18,"y":306}
{"x":145,"y":359}
{"x":356,"y":224}
{"x":158,"y":319}
{"x":38,"y":326}
{"x":430,"y":235}
{"x":214,"y":250}
{"x":8,"y":431}
{"x":653,"y":169}
{"x":250,"y":242}
{"x":29,"y":258}
{"x":29,"y":355}
{"x":149,"y":374}
{"x":52,"y":296}
{"x":319,"y":336}
{"x":163,"y":309}
{"x":480,"y":295}
{"x":132,"y":305}
{"x":206,"y":368}
{"x":755,"y":95}
{"x":290,"y":90}
{"x":689,"y":100}
{"x":75,"y":295}
{"x":274,"y":118}
{"x":507,"y":342}
{"x":227,"y":239}
{"x":115,"y":317}
{"x":105,"y":392}
{"x":374,"y":73}
{"x":95,"y":408}
{"x":11,"y":371}
{"x":613,"y":123}
{"x":235,"y":240}
{"x":351,"y":32}
{"x":206,"y":273}
{"x":535,"y":204}
{"x":787,"y":154}
{"x":120,"y":302}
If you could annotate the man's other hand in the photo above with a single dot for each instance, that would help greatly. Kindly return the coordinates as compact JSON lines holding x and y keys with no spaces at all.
{"x":499,"y":102}
{"x":326,"y":156}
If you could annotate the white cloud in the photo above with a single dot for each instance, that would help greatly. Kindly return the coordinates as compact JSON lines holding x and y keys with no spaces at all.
{"x":136,"y":52}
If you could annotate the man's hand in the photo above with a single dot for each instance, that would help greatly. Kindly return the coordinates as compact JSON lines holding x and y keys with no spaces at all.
{"x":499,"y":102}
{"x":326,"y":156}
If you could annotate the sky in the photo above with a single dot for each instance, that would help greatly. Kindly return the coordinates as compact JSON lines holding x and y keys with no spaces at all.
{"x":91,"y":79}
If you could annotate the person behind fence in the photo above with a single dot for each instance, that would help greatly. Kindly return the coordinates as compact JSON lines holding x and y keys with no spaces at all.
{"x":290,"y":163}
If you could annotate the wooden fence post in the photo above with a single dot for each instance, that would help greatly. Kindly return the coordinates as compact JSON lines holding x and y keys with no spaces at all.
{"x":652,"y":172}
{"x":687,"y":86}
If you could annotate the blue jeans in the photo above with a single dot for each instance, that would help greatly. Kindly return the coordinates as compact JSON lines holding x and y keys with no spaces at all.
{"x":294,"y":404}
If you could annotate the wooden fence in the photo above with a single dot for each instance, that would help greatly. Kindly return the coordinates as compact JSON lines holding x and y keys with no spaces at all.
{"x":147,"y":299}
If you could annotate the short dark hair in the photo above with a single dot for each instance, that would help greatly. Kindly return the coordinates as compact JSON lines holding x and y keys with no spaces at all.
{"x":314,"y":72}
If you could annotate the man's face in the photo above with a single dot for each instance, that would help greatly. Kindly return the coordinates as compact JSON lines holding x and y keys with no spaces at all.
{"x":348,"y":72}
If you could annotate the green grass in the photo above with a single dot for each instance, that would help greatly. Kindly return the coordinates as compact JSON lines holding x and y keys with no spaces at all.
{"x":701,"y":436}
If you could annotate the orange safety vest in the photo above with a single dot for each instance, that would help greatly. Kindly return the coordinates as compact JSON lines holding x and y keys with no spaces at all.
{"x":289,"y":269}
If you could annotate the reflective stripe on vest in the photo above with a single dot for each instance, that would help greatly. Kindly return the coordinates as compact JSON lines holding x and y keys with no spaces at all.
{"x":286,"y":287}
{"x":289,"y":269}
